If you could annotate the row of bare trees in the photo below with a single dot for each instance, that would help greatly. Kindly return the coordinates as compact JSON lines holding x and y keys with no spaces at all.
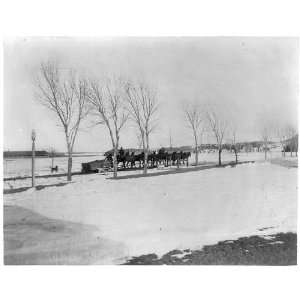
{"x":111,"y":102}
{"x":197,"y":118}
{"x":284,"y":133}
{"x":287,"y":136}
{"x":201,"y":119}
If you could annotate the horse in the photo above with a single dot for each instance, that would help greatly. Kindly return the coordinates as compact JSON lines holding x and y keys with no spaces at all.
{"x":140,"y":159}
{"x":164,"y":157}
{"x":161,"y":156}
{"x":130,"y":159}
{"x":127,"y":159}
{"x":152,"y":159}
{"x":121,"y":158}
{"x":109,"y":158}
{"x":176,"y":158}
{"x":185,"y":157}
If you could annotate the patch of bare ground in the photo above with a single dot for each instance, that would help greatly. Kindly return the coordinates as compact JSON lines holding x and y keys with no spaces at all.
{"x":32,"y":239}
{"x":276,"y":250}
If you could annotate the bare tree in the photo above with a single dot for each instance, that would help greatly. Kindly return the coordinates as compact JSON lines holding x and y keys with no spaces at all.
{"x":142,"y":106}
{"x":266,"y":133}
{"x":170,"y":139}
{"x":292,"y":139}
{"x":234,"y":145}
{"x":218,"y":127}
{"x":193,"y":116}
{"x":139,"y":139}
{"x":267,"y":128}
{"x":107,"y":103}
{"x":296,"y":145}
{"x":65,"y":95}
{"x":282,"y":133}
{"x":202,"y":131}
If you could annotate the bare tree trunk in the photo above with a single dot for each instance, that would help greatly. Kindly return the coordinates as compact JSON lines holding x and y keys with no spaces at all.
{"x":220,"y":161}
{"x":236,"y":156}
{"x":69,"y":166}
{"x":266,"y":154}
{"x":196,"y":148}
{"x":115,"y":161}
{"x":266,"y":149}
{"x":145,"y":161}
{"x":33,"y":164}
{"x":70,"y":152}
{"x":146,"y":151}
{"x":196,"y":153}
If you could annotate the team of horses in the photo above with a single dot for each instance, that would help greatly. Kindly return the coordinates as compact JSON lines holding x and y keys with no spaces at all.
{"x":155,"y":158}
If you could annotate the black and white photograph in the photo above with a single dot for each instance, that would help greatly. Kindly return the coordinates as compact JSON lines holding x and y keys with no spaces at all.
{"x":150,"y":150}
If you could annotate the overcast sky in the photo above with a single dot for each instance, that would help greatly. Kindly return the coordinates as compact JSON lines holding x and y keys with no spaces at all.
{"x":246,"y":78}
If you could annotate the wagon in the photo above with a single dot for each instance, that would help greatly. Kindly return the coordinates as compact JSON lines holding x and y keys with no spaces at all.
{"x":95,"y":166}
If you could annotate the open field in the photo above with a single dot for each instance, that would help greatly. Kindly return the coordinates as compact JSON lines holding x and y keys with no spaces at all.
{"x":176,"y":211}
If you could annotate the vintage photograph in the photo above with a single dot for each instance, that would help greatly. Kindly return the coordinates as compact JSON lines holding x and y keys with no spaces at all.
{"x":150,"y":150}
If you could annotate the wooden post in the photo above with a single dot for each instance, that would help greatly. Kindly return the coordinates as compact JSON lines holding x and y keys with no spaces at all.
{"x":33,"y":136}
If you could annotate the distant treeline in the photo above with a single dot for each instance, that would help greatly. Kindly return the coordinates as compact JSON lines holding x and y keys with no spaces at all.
{"x":41,"y":153}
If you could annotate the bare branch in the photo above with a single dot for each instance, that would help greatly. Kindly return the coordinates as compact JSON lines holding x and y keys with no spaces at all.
{"x":106,"y":103}
{"x":142,"y":107}
{"x":218,"y":127}
{"x":193,"y":115}
{"x":66,"y":97}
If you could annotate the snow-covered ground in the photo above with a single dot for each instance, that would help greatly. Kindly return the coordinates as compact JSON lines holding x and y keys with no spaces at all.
{"x":184,"y":210}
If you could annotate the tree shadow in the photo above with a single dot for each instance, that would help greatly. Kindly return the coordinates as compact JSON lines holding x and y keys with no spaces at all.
{"x":180,"y":170}
{"x":38,"y":188}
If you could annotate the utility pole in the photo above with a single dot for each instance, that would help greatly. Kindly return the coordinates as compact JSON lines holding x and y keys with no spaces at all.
{"x":170,"y":137}
{"x":33,"y":136}
{"x":52,"y":157}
